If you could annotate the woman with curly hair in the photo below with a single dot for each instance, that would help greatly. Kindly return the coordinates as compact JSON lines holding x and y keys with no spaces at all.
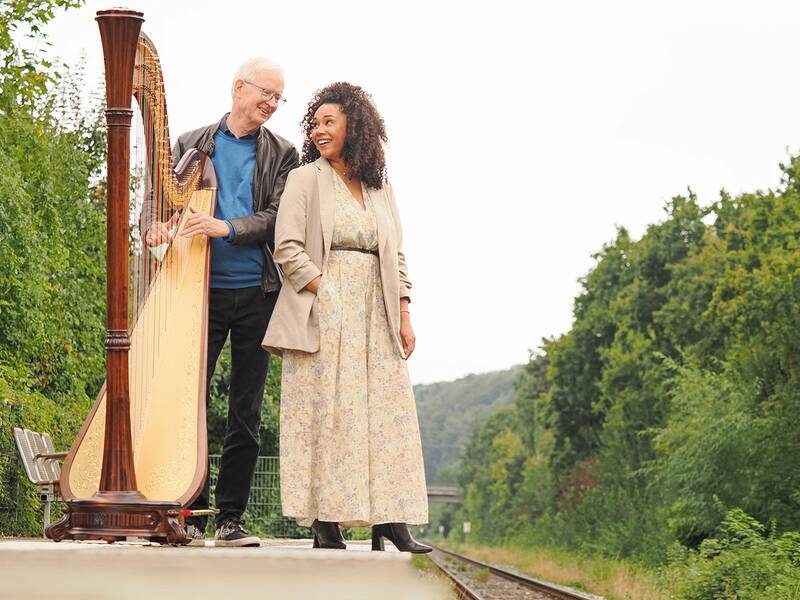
{"x":350,"y":445}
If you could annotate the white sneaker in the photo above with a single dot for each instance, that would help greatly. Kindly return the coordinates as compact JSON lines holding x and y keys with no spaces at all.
{"x":231,"y":534}
{"x":197,"y":537}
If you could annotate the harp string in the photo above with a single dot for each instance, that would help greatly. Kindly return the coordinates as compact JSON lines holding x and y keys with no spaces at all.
{"x":159,"y":194}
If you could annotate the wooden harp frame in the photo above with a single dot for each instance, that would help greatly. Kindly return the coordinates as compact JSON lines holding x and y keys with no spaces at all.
{"x":117,"y":509}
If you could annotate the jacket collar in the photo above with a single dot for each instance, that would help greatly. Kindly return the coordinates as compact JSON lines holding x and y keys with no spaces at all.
{"x":207,"y":141}
{"x":327,"y":202}
{"x":322,"y":164}
{"x":223,"y":127}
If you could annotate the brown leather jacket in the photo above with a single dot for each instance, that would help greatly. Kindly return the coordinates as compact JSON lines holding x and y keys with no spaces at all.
{"x":275,"y":157}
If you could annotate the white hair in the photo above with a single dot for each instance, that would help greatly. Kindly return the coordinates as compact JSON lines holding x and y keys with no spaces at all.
{"x":249,"y":69}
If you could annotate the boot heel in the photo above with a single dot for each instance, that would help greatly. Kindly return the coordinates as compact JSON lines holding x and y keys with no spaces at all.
{"x":400,"y":536}
{"x":327,"y":535}
{"x":377,"y":542}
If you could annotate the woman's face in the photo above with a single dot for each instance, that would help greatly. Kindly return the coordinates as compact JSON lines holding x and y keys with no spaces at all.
{"x":330,"y":128}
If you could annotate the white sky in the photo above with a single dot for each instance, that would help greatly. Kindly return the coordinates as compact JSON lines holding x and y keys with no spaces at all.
{"x":521,"y":133}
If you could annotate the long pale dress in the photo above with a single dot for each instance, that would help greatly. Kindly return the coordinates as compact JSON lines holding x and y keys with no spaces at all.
{"x":349,"y":442}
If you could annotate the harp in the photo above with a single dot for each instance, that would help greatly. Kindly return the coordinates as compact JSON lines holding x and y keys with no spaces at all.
{"x":141,"y":455}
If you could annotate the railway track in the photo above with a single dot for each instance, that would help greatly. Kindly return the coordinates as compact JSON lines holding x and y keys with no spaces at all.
{"x":475,"y":580}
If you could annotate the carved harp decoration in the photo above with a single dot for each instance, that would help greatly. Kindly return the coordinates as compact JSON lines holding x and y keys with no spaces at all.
{"x":144,"y":441}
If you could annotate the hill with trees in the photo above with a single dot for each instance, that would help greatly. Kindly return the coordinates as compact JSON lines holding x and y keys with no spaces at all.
{"x":450,"y":411}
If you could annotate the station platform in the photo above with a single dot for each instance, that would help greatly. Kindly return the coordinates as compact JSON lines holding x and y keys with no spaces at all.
{"x":279,"y":569}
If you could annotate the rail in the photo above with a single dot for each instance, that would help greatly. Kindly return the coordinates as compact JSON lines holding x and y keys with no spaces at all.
{"x":551,"y":590}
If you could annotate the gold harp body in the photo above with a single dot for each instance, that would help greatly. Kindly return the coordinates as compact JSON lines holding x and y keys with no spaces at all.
{"x":167,"y":294}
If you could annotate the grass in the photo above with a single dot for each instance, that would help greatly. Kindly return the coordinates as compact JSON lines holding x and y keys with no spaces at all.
{"x":616,"y":580}
{"x":483,"y":576}
{"x":421,"y":563}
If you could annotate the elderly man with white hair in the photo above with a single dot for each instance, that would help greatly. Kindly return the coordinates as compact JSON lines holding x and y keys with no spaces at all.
{"x":251,"y":165}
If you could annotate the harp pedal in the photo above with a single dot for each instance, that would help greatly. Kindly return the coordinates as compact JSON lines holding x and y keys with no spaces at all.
{"x":200,"y":512}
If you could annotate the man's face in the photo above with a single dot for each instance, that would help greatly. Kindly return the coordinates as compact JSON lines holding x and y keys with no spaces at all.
{"x":248,"y":99}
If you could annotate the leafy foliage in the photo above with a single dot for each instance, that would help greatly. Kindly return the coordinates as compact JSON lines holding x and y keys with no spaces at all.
{"x":739,"y":561}
{"x":25,"y":73}
{"x":52,"y":253}
{"x":667,"y":414}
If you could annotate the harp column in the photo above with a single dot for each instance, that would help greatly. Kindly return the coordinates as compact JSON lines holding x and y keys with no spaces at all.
{"x":119,"y":32}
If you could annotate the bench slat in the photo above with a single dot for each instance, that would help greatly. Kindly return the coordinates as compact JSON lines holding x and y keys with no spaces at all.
{"x":26,"y":452}
{"x":37,"y":443}
{"x":55,"y":464}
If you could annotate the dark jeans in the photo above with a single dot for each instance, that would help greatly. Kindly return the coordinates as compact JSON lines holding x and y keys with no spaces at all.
{"x":244,"y":313}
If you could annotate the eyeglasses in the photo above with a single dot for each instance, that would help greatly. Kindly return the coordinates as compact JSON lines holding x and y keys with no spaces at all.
{"x":267,"y":95}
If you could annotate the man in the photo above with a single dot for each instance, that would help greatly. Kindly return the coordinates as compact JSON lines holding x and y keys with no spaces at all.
{"x":251,"y":165}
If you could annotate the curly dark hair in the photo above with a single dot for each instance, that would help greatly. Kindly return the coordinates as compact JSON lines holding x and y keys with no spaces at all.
{"x":364,"y":137}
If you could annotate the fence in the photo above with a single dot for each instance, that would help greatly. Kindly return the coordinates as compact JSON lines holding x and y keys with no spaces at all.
{"x":263,"y":515}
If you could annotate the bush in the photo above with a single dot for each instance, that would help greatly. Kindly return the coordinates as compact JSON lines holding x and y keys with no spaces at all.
{"x":739,"y":562}
{"x":20,"y":509}
{"x":52,"y":252}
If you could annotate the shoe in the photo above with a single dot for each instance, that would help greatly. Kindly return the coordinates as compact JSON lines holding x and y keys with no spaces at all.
{"x":327,"y":535}
{"x":399,"y":535}
{"x":230,"y":533}
{"x":197,"y":536}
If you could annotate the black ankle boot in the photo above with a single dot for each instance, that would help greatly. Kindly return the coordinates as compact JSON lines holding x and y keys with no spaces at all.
{"x":327,"y":535}
{"x":399,"y":535}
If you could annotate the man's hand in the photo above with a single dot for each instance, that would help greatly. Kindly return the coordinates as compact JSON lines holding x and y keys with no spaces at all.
{"x":158,"y":233}
{"x":198,"y":223}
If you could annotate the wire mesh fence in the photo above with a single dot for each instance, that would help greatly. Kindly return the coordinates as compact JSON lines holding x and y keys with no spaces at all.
{"x":263,"y":515}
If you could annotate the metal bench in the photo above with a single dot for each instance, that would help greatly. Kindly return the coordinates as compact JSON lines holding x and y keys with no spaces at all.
{"x":42,"y":465}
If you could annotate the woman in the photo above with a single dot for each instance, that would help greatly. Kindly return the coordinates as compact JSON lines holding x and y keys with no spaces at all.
{"x":350,"y":446}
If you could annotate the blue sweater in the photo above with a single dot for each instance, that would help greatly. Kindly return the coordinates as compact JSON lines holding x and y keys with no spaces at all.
{"x":232,"y":265}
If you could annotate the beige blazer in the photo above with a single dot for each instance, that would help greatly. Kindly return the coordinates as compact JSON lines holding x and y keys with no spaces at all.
{"x":303,"y":233}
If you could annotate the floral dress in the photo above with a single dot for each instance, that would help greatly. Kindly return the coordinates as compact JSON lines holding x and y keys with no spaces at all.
{"x":349,"y":442}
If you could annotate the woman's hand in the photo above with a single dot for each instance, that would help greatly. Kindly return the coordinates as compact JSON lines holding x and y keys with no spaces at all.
{"x":313,"y":285}
{"x":407,"y":336}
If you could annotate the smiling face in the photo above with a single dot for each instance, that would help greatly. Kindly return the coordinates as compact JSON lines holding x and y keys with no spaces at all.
{"x":330,"y":130}
{"x":249,"y":103}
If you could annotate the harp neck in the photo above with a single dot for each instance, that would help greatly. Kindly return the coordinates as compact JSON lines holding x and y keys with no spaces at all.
{"x":148,"y":88}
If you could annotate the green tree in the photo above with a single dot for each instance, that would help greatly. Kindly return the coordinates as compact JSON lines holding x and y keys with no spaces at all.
{"x":24,"y":73}
{"x":52,"y":252}
{"x":672,"y":400}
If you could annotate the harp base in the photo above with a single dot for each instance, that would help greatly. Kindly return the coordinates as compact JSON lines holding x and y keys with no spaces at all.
{"x":115,"y":516}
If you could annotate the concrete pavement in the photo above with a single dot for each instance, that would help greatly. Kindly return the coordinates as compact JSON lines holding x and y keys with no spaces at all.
{"x":279,"y":569}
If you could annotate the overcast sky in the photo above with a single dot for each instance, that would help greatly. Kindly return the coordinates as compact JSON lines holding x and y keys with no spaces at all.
{"x":521,"y":133}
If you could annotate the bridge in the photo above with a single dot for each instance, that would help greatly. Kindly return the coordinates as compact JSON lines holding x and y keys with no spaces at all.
{"x":444,"y":493}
